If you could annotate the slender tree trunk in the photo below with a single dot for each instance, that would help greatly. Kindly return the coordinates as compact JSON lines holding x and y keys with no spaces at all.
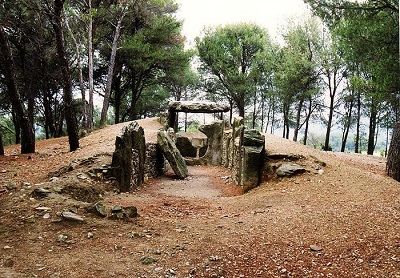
{"x":310,"y":110}
{"x":347,"y":126}
{"x":330,"y":118}
{"x":81,"y":84}
{"x":393,"y":159}
{"x":110,"y":73}
{"x":90,"y":69}
{"x":372,"y":129}
{"x":27,"y":132}
{"x":1,"y":145}
{"x":298,"y":117}
{"x":357,"y":138}
{"x":72,"y":127}
{"x":17,"y":126}
{"x":254,"y":109}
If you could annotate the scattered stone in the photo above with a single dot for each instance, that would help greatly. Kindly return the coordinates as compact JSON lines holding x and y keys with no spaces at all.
{"x":26,"y":185}
{"x":315,"y":248}
{"x":148,"y":260}
{"x":9,"y":262}
{"x":46,"y":216}
{"x":99,"y":209}
{"x":90,"y":235}
{"x":82,"y":176}
{"x":62,"y":238}
{"x":11,"y":185}
{"x":54,"y":179}
{"x":130,"y":211}
{"x":3,"y":171}
{"x":7,"y":247}
{"x":71,"y":216}
{"x":289,"y":169}
{"x":43,"y":209}
{"x":40,"y":193}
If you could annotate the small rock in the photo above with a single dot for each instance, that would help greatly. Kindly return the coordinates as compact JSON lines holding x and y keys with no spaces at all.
{"x":315,"y":248}
{"x":8,"y":262}
{"x":62,"y":238}
{"x":40,"y":192}
{"x":90,"y":235}
{"x":11,"y":185}
{"x":148,"y":260}
{"x":130,"y":212}
{"x":7,"y":247}
{"x":98,"y":208}
{"x":54,"y":179}
{"x":71,"y":216}
{"x":46,"y":216}
{"x":26,"y":185}
{"x":42,"y":208}
{"x":3,"y":171}
{"x":82,"y":176}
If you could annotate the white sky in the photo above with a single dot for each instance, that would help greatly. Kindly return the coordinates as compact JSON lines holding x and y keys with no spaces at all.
{"x":270,"y":14}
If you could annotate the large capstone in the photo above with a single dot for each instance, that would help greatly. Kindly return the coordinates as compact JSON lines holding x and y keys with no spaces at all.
{"x":172,"y":154}
{"x":129,"y":157}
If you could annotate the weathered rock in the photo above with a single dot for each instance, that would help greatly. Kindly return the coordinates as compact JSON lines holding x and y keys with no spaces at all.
{"x":213,"y":155}
{"x":198,"y":106}
{"x":155,"y":163}
{"x":289,"y":169}
{"x":172,"y":154}
{"x":189,"y":142}
{"x":71,"y":216}
{"x":129,"y":157}
{"x":99,"y":209}
{"x":130,"y":211}
{"x":40,"y":193}
{"x":253,"y":138}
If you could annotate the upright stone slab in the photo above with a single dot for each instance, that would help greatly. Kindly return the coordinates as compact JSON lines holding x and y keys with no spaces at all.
{"x":172,"y":154}
{"x":236,"y":158}
{"x":129,"y":157}
{"x":253,"y":150}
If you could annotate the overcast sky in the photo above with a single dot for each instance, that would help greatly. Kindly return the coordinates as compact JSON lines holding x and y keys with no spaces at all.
{"x":270,"y":14}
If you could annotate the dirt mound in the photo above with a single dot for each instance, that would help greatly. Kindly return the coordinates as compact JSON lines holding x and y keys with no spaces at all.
{"x":341,"y":218}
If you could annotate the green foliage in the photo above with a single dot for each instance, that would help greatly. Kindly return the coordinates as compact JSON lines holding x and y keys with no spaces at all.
{"x":231,"y":60}
{"x":7,"y":130}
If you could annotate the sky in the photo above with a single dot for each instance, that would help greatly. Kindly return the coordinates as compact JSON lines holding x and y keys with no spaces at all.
{"x":271,"y":14}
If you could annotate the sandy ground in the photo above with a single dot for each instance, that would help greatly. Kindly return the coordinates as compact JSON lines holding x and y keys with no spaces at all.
{"x":342,"y":220}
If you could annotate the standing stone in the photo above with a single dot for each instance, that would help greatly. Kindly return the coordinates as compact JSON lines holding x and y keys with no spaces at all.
{"x":172,"y":154}
{"x":129,"y":157}
{"x":253,"y":158}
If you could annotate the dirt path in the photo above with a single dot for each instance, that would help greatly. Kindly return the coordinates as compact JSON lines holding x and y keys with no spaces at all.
{"x":342,"y":222}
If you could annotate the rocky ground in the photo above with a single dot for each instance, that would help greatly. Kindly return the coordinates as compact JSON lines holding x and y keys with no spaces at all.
{"x":341,"y":219}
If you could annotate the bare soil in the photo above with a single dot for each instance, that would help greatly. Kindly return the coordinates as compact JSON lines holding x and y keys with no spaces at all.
{"x":337,"y":220}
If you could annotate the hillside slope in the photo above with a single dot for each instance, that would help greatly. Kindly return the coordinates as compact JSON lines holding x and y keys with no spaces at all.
{"x":340,"y":221}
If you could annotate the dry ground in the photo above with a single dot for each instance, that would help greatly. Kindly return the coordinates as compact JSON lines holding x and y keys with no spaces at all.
{"x":343,"y":221}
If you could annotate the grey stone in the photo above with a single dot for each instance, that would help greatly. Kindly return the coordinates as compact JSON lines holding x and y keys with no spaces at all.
{"x":289,"y":169}
{"x":129,"y":157}
{"x":71,"y":216}
{"x":40,"y":193}
{"x":198,"y":107}
{"x":130,"y":211}
{"x":172,"y":154}
{"x":99,"y":209}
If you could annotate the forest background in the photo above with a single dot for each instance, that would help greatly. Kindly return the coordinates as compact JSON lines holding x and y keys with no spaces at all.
{"x":337,"y":68}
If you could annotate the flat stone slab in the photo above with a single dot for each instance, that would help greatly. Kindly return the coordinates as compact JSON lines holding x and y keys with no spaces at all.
{"x":172,"y":154}
{"x":289,"y":169}
{"x":198,"y":107}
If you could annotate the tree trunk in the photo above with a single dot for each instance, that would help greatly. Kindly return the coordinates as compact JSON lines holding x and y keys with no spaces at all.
{"x":310,"y":110}
{"x":357,"y":138}
{"x":90,"y":69}
{"x":72,"y":127}
{"x":347,"y":125}
{"x":372,"y":129}
{"x":298,"y":116}
{"x":110,"y":73}
{"x":81,"y":84}
{"x":393,"y":159}
{"x":329,"y":125}
{"x":27,"y":132}
{"x":1,"y":145}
